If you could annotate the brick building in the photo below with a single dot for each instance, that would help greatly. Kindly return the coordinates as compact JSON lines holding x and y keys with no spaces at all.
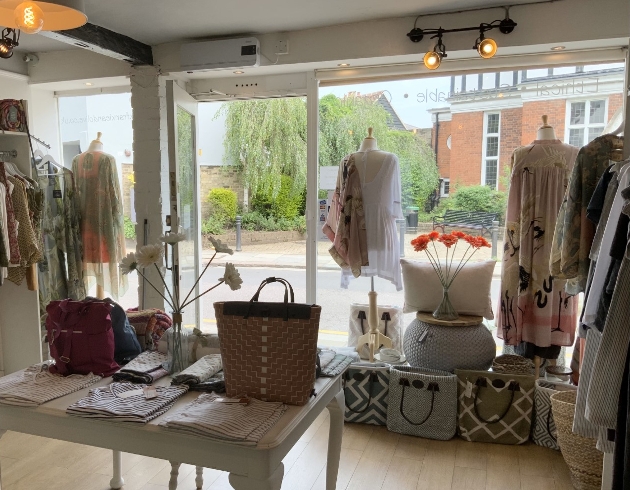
{"x":491,"y":114}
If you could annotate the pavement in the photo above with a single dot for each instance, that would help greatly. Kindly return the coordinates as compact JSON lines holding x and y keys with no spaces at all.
{"x":292,"y":255}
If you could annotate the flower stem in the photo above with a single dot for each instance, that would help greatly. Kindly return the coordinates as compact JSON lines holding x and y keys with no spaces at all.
{"x":221,"y":281}
{"x":438,"y":260}
{"x":199,"y":278}
{"x":436,"y":267}
{"x":165,"y":285}
{"x":462,"y":264}
{"x":156,"y":289}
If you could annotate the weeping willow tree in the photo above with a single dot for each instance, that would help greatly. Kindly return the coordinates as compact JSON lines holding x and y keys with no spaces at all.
{"x":266,"y":139}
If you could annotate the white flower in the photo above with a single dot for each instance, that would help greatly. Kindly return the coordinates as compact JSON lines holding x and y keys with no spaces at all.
{"x":173,"y":238}
{"x":149,"y":255}
{"x":128,"y":263}
{"x":220,"y":247}
{"x":232,"y":278}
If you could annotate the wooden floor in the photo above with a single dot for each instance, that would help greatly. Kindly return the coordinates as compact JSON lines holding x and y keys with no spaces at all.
{"x":372,"y":459}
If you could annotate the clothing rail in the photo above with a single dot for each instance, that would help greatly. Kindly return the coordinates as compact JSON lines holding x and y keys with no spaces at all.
{"x":41,"y":142}
{"x":9,"y":153}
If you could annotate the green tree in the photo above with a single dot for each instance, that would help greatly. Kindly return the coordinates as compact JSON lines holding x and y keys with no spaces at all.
{"x":267,"y":139}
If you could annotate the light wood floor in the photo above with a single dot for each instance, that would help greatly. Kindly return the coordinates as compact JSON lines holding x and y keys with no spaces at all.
{"x":372,"y":459}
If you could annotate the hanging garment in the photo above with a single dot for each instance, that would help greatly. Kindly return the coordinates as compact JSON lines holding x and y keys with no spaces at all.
{"x":102,"y":231}
{"x":574,"y":232}
{"x":380,"y":207}
{"x":345,"y":225}
{"x":533,"y":306}
{"x":621,"y":461}
{"x":14,"y":249}
{"x":4,"y":234}
{"x":30,"y":254}
{"x":60,"y":271}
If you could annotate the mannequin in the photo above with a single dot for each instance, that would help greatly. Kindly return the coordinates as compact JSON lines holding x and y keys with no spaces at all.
{"x":537,"y":316}
{"x":362,"y":224}
{"x":102,"y":231}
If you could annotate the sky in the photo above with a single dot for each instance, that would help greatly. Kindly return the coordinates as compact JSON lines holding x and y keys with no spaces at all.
{"x":410,"y":98}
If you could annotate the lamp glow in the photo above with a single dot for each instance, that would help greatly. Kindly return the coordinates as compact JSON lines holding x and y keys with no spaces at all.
{"x":432,"y":60}
{"x":6,"y":51}
{"x":29,"y":18}
{"x":487,"y":48}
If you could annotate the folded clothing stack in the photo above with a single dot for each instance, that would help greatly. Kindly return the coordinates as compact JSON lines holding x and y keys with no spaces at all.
{"x":35,"y":385}
{"x":125,"y":402}
{"x":333,"y":363}
{"x":201,"y":371}
{"x":146,"y":369}
{"x":214,"y":384}
{"x":150,"y":325}
{"x":232,"y":422}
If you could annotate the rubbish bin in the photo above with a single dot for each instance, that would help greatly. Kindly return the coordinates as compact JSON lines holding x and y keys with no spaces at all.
{"x":412,"y":217}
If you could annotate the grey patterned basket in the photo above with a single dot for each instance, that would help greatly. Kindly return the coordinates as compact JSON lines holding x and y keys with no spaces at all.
{"x":513,"y":364}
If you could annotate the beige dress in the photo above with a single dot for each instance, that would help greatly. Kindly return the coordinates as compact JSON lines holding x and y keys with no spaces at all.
{"x":534,"y":306}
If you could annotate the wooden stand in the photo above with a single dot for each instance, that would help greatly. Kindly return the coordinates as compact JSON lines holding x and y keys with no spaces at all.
{"x":538,"y":362}
{"x":374,"y":339}
{"x":462,"y":321}
{"x":100,"y":292}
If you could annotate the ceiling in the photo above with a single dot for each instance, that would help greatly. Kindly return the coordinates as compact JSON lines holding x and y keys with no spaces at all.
{"x":161,"y":21}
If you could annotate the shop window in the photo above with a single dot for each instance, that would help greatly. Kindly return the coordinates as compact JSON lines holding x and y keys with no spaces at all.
{"x":586,"y":120}
{"x":490,"y":161}
{"x":445,"y":187}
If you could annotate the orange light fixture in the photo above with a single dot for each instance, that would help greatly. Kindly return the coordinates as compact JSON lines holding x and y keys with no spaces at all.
{"x":487,"y":48}
{"x":432,"y":60}
{"x":33,"y":16}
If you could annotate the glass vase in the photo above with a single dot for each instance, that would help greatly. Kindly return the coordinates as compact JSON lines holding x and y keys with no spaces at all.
{"x":177,"y":346}
{"x":445,"y":310}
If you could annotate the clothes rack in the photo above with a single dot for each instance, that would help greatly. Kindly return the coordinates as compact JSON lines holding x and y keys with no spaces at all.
{"x":41,"y":142}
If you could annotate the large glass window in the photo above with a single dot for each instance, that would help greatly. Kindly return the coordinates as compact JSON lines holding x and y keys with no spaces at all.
{"x":491,"y":137}
{"x":586,"y":120}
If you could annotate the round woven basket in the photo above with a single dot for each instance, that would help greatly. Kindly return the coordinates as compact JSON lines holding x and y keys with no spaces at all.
{"x":580,"y":453}
{"x":512,"y":364}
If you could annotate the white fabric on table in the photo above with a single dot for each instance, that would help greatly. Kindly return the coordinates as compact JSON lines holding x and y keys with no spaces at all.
{"x":106,"y":403}
{"x":240,"y":424}
{"x":201,"y":371}
{"x":36,"y":385}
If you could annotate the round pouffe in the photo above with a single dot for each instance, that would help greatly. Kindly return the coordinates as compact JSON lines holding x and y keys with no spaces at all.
{"x":465,"y":343}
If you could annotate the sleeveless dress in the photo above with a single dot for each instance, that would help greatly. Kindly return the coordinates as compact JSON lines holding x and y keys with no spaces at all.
{"x":382,"y":206}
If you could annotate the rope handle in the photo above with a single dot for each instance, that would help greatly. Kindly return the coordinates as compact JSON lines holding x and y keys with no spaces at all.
{"x":433,"y":387}
{"x":287,"y":288}
{"x":373,"y":377}
{"x":483,"y":383}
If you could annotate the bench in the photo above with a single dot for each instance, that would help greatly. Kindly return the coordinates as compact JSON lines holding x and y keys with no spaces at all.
{"x":475,"y":220}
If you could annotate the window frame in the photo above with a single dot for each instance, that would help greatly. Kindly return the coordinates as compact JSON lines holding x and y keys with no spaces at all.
{"x":484,"y":147}
{"x":587,"y":113}
{"x":443,"y":186}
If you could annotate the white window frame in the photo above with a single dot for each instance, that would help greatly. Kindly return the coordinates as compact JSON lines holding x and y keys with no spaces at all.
{"x":442,"y":186}
{"x":586,"y":126}
{"x":485,"y":145}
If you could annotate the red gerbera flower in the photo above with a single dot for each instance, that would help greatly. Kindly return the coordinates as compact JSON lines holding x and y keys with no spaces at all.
{"x":448,"y":240}
{"x":434,"y":235}
{"x":458,"y":234}
{"x":420,"y":243}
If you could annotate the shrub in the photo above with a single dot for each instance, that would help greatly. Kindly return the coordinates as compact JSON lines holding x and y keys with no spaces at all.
{"x":285,"y":205}
{"x":130,"y":228}
{"x":213,"y":226}
{"x":479,"y":198}
{"x":223,"y":204}
{"x":256,"y":221}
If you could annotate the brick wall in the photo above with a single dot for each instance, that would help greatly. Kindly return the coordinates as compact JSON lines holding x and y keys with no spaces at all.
{"x":615,"y":101}
{"x":444,"y":153}
{"x":466,"y":148}
{"x":211,"y":178}
{"x":511,"y":125}
{"x":533,"y":112}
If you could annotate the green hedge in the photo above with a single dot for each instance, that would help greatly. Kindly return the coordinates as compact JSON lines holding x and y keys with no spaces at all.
{"x":287,"y":204}
{"x":223,"y":204}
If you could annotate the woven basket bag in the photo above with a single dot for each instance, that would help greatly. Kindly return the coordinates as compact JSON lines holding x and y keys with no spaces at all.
{"x":580,"y":453}
{"x":513,"y":364}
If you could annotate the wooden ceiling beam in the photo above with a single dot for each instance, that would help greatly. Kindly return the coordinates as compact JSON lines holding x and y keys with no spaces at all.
{"x":103,"y":41}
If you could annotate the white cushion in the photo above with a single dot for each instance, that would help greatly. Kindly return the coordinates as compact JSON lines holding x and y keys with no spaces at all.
{"x":469,"y":293}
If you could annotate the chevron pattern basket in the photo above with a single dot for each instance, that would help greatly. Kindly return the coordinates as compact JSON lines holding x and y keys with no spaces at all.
{"x":367,"y":393}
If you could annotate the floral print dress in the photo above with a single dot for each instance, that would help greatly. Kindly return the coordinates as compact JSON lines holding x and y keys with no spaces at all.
{"x":534,"y":306}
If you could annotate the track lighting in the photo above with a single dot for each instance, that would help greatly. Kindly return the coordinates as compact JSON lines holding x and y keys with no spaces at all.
{"x":33,"y":16}
{"x":8,"y":40}
{"x":486,"y":47}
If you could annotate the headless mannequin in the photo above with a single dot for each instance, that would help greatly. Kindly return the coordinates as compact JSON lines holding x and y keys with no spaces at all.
{"x":374,"y":339}
{"x":97,"y":145}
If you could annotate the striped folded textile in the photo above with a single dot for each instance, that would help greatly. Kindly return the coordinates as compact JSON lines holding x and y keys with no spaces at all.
{"x":337,"y":365}
{"x":144,"y":369}
{"x":232,"y":422}
{"x":112,"y":403}
{"x":36,"y":385}
{"x":150,"y":325}
{"x":201,"y":371}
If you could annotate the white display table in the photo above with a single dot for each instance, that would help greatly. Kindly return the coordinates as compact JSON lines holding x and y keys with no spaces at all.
{"x":250,"y":468}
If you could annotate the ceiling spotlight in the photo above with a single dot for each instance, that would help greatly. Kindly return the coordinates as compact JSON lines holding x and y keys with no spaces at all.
{"x":33,"y":16}
{"x":9,"y":39}
{"x":558,"y":48}
{"x":486,"y":48}
{"x":239,"y":72}
{"x":343,"y":64}
{"x":433,"y":59}
{"x":89,"y":84}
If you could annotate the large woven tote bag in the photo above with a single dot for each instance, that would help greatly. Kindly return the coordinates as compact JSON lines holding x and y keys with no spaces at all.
{"x":422,"y":402}
{"x":544,"y":427}
{"x":495,"y":407}
{"x":269,"y":350}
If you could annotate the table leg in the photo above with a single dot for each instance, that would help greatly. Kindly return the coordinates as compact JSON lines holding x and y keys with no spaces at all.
{"x":172,"y":483}
{"x":198,"y":478}
{"x":117,"y":480}
{"x":336,"y":409}
{"x":273,"y":482}
{"x":2,"y":432}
